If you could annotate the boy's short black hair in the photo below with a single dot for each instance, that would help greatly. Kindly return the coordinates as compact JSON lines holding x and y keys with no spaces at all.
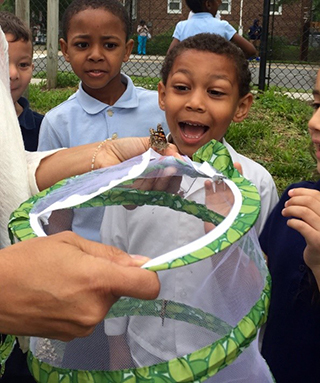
{"x":10,"y":23}
{"x":195,"y":6}
{"x":112,"y":6}
{"x":210,"y":42}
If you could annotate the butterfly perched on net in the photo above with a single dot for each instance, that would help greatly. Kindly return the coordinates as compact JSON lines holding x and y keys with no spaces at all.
{"x":158,"y":140}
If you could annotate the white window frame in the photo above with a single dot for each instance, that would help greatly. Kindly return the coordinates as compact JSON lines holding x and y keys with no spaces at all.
{"x":174,"y":11}
{"x":226,"y":4}
{"x":278,"y":7}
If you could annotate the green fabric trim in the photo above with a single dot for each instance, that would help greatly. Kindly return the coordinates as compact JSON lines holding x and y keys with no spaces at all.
{"x":6,"y":348}
{"x":174,"y":310}
{"x":195,"y":367}
{"x":214,"y":153}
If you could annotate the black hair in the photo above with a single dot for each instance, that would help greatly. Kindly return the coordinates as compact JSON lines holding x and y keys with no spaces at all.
{"x":142,"y":22}
{"x":195,"y":6}
{"x":210,"y":42}
{"x":10,"y":23}
{"x":112,"y":6}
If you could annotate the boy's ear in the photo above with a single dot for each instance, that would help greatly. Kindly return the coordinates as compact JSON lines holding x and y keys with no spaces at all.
{"x":243,"y":108}
{"x":64,"y":49}
{"x":161,"y":95}
{"x":129,"y":47}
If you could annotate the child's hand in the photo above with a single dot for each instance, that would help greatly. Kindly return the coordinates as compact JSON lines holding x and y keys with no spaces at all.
{"x":115,"y":151}
{"x":219,"y":198}
{"x":304,"y":206}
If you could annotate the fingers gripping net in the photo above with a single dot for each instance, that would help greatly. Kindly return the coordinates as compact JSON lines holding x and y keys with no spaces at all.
{"x":214,"y":282}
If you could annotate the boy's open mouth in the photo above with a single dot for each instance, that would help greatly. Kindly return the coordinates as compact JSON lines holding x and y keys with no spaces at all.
{"x":192,"y":130}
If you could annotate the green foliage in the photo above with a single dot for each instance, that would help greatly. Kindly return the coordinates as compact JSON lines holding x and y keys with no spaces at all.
{"x":275,"y":135}
{"x":43,"y":100}
{"x":284,"y":50}
{"x":64,"y":79}
{"x":9,"y":5}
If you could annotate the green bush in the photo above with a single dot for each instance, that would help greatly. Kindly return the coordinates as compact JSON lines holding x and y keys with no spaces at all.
{"x":283,"y":50}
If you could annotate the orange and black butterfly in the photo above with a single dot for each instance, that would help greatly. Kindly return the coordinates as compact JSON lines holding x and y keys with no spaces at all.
{"x":158,"y":140}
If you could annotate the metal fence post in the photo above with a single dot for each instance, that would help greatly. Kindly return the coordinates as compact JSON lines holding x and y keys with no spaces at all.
{"x":23,"y":10}
{"x":264,"y":45}
{"x":52,"y":42}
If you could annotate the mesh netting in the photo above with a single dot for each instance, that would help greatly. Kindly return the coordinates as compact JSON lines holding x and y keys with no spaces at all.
{"x":214,"y":282}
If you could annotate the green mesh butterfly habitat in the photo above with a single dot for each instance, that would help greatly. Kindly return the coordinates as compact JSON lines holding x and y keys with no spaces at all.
{"x":215,"y":286}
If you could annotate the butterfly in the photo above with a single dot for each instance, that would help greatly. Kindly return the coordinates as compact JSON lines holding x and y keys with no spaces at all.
{"x":158,"y":140}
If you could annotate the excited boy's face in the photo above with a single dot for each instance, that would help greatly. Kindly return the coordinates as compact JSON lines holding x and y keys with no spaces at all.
{"x":201,"y":98}
{"x":96,"y":49}
{"x":314,"y":123}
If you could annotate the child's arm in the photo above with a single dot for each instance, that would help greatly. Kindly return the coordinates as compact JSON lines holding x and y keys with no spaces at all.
{"x":174,"y":42}
{"x":248,"y":49}
{"x":304,"y":206}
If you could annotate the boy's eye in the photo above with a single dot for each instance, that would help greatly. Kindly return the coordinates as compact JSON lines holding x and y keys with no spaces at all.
{"x":25,"y":65}
{"x":213,"y":92}
{"x":81,"y":45}
{"x":110,"y":45}
{"x":180,"y":87}
{"x":315,"y":106}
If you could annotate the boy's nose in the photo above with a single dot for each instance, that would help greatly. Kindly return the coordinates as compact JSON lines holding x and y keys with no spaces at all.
{"x":13,"y":72}
{"x":196,"y":102}
{"x":95,"y":54}
{"x":314,"y":122}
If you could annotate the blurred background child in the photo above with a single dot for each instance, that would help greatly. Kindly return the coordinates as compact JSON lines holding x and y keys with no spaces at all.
{"x":20,"y":51}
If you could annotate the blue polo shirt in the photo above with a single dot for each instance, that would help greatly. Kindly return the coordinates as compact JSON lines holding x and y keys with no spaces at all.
{"x":29,"y":122}
{"x":203,"y":22}
{"x":83,"y":119}
{"x":291,"y":343}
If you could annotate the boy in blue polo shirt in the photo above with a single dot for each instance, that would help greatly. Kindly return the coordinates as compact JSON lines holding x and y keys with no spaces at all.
{"x":20,"y":52}
{"x":204,"y":20}
{"x":96,"y":43}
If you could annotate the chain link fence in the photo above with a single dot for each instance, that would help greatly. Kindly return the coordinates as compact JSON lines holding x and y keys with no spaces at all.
{"x":289,"y":53}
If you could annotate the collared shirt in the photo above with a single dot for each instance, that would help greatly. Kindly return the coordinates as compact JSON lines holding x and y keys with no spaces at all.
{"x":29,"y":122}
{"x":83,"y":119}
{"x":263,"y":181}
{"x":203,"y":22}
{"x":214,"y":284}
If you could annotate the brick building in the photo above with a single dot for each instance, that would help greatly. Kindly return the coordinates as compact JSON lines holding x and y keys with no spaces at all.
{"x":287,"y":21}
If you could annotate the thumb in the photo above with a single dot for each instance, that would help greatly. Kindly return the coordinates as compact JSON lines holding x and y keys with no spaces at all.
{"x":238,"y":166}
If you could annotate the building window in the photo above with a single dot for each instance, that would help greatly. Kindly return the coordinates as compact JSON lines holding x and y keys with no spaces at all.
{"x":174,"y":6}
{"x":131,"y":7}
{"x":275,"y":7}
{"x":225,"y":7}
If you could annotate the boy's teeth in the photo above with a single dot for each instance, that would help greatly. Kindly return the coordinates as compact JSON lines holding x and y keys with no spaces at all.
{"x":190,"y":136}
{"x":193,"y":131}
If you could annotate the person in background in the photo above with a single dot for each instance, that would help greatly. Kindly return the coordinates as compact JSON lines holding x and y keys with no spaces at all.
{"x":254,"y":34}
{"x":19,"y":39}
{"x":143,"y":32}
{"x":291,"y":242}
{"x":204,"y":21}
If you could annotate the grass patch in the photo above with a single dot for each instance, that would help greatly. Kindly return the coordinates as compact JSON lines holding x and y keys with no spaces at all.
{"x":275,"y":134}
